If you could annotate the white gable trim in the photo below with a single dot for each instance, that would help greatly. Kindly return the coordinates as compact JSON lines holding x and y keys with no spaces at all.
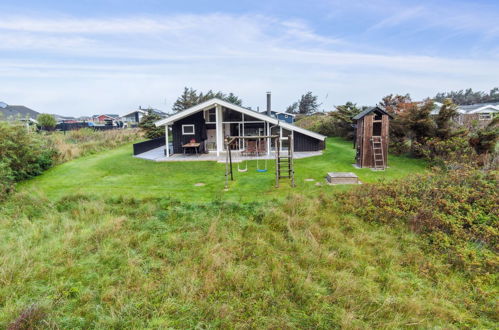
{"x":134,"y":111}
{"x":485,"y":109}
{"x":213,"y":102}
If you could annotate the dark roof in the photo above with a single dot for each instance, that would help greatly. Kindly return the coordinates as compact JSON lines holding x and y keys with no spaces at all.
{"x":369,"y":110}
{"x":14,"y":111}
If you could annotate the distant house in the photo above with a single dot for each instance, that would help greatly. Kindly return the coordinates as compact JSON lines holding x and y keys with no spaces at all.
{"x":105,"y":117}
{"x":64,"y":119}
{"x":475,"y":115}
{"x":287,"y":117}
{"x":135,"y":116}
{"x":16,"y":112}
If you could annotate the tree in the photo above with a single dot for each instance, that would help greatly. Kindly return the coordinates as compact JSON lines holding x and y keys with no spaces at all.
{"x":147,"y":125}
{"x":293,"y":108}
{"x":420,"y":125}
{"x":443,"y":119}
{"x":343,"y":120}
{"x":308,"y":104}
{"x":396,"y":104}
{"x":190,"y":98}
{"x":485,"y":140}
{"x":46,"y":121}
{"x":468,"y":96}
{"x":231,"y":98}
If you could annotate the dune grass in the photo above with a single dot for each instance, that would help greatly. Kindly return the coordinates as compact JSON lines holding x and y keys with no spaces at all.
{"x":109,"y":241}
{"x":117,"y":173}
{"x":90,"y":262}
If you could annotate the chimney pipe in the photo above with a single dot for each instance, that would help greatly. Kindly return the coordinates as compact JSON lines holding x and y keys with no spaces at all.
{"x":268,"y":104}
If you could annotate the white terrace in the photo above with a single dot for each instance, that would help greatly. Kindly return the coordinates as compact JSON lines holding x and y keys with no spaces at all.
{"x":158,"y":155}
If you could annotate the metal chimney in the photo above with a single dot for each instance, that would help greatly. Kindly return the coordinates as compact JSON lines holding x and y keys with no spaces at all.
{"x":268,"y":104}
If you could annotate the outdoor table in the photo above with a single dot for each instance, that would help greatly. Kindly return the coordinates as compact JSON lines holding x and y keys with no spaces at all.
{"x":191,"y":145}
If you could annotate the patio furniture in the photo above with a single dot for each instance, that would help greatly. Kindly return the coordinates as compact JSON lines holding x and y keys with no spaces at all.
{"x":192,"y":145}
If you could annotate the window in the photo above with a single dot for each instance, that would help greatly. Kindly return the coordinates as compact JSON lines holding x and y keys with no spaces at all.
{"x":188,"y":129}
{"x":485,"y":116}
{"x":211,"y":116}
{"x":377,"y":129}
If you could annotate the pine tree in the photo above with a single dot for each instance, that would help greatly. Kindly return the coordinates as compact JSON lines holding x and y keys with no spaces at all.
{"x":444,"y":119}
{"x":189,"y":98}
{"x":343,"y":119}
{"x":148,"y":126}
{"x":308,"y":104}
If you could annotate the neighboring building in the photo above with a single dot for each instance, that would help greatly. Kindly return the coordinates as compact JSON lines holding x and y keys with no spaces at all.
{"x":475,"y":115}
{"x":371,"y":138}
{"x":64,"y":119}
{"x":284,"y":116}
{"x":210,"y":122}
{"x":16,"y":112}
{"x":135,"y":116}
{"x":105,"y":117}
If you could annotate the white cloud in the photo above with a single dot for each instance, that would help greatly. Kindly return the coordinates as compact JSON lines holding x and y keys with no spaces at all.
{"x":85,"y":66}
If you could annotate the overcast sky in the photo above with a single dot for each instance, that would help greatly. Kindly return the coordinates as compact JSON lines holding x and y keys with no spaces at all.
{"x":110,"y":56}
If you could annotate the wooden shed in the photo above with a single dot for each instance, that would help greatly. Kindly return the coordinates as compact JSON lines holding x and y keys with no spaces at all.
{"x":371,"y":138}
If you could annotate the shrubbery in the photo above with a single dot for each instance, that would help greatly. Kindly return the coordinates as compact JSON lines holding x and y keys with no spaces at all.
{"x":22,"y":155}
{"x":456,"y":212}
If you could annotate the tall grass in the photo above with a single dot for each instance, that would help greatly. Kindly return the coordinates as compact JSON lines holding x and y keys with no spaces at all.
{"x":83,"y":142}
{"x":90,"y":262}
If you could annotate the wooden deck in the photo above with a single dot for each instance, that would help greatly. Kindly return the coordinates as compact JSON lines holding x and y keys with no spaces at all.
{"x":159,"y":156}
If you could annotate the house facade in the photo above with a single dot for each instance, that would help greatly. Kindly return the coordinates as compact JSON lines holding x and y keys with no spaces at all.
{"x":474,"y":115}
{"x":210,"y":122}
{"x":287,"y":117}
{"x":135,"y":116}
{"x":105,"y":117}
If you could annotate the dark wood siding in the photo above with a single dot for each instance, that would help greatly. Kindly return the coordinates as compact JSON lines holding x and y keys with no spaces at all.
{"x":304,"y":142}
{"x":179,"y":139}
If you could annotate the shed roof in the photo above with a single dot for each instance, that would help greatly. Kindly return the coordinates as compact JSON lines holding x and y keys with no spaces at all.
{"x":369,"y":110}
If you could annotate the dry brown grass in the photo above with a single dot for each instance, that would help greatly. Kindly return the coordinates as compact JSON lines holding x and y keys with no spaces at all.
{"x":83,"y":142}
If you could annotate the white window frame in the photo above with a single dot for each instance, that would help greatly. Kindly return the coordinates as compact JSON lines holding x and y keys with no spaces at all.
{"x":189,"y":125}
{"x":207,"y":116}
{"x":485,"y":116}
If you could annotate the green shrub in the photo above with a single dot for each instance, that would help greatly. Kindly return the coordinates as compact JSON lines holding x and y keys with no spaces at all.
{"x":22,"y":155}
{"x":454,"y":152}
{"x":455,"y":211}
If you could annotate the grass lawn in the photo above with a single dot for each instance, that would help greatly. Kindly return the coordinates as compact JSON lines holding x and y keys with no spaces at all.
{"x":117,"y":173}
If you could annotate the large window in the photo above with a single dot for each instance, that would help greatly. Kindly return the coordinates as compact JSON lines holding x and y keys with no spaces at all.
{"x":188,"y":129}
{"x":210,"y":116}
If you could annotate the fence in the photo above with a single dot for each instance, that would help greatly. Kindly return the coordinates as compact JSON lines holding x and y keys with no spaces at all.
{"x":142,"y":147}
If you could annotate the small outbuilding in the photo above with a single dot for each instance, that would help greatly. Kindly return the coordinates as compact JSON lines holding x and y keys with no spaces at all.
{"x":371,"y":138}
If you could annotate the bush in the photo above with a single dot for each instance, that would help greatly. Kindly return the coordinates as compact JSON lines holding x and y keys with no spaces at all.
{"x":455,"y":211}
{"x":22,"y":155}
{"x":453,"y":153}
{"x":46,"y":121}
